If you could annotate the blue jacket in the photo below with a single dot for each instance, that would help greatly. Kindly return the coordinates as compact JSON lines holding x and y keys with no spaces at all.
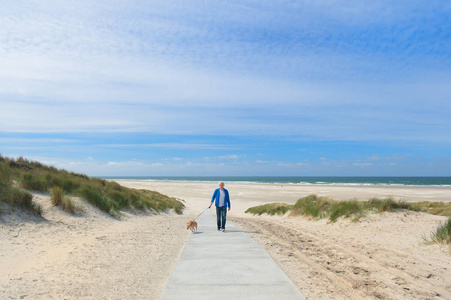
{"x":216,"y":198}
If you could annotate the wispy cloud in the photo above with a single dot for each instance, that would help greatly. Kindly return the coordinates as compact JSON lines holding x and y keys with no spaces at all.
{"x":229,"y":156}
{"x":174,"y":146}
{"x":224,"y":75}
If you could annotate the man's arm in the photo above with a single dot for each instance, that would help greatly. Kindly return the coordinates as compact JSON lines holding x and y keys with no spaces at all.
{"x":213,"y":198}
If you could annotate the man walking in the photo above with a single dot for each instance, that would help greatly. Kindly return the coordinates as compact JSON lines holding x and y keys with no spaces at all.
{"x":222,"y":203}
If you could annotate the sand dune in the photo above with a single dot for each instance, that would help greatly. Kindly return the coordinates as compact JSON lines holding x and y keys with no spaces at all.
{"x":92,"y":256}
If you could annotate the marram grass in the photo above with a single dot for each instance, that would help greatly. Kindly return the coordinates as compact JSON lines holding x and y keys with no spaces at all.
{"x":270,"y":209}
{"x":15,"y":196}
{"x":56,"y":195}
{"x":442,"y":235}
{"x":107,"y":196}
{"x":317,"y":208}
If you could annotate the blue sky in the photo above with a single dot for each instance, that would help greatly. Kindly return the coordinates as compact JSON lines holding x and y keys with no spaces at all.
{"x":305,"y":88}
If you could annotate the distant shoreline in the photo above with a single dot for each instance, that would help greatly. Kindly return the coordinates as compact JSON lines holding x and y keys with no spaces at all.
{"x":435,"y":182}
{"x":252,"y":193}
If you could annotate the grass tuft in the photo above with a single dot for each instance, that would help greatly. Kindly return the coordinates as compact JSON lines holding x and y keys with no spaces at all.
{"x":57,"y":195}
{"x":311,"y":206}
{"x":270,"y":209}
{"x":442,"y":235}
{"x":68,"y":205}
{"x":344,"y":209}
{"x":14,"y":196}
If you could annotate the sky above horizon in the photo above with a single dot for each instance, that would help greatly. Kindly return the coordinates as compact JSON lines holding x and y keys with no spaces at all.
{"x":244,"y":88}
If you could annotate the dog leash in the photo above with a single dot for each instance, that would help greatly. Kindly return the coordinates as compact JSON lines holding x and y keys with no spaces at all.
{"x":202,"y":213}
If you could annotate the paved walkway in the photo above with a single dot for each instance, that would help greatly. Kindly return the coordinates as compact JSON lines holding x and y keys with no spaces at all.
{"x":226,"y":265}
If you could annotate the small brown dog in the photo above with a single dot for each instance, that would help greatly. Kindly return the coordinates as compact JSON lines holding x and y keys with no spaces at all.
{"x":192,"y":225}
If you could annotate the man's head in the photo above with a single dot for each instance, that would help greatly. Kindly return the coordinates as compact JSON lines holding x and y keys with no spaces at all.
{"x":221,"y":185}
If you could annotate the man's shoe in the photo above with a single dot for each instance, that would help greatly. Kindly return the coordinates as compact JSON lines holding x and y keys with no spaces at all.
{"x":219,"y":229}
{"x":223,"y":229}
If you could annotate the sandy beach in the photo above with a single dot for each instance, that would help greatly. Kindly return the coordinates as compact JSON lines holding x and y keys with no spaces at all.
{"x":381,"y":257}
{"x":246,"y":195}
{"x":94,"y":256}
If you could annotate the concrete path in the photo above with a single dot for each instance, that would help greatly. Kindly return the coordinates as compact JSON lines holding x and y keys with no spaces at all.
{"x":226,"y":265}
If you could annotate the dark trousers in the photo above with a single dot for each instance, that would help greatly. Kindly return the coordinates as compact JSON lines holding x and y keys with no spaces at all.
{"x":221,"y":216}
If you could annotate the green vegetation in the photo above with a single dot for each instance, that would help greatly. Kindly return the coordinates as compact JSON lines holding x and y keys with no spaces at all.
{"x":57,"y":195}
{"x":59,"y":198}
{"x":14,"y":196}
{"x":321,"y":207}
{"x":442,"y":233}
{"x":68,"y":205}
{"x":107,"y":196}
{"x":270,"y":209}
{"x":435,"y":208}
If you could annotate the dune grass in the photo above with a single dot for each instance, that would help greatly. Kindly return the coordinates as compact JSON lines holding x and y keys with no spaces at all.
{"x":57,"y":195}
{"x":270,"y":209}
{"x":321,"y":207}
{"x":442,"y":235}
{"x":59,"y":198}
{"x":435,"y":208}
{"x":15,"y":196}
{"x":68,"y":205}
{"x":107,"y":196}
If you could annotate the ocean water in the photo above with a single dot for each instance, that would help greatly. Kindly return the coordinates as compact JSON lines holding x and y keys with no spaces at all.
{"x":359,"y":181}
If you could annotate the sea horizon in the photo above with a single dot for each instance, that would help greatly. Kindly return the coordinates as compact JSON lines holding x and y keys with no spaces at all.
{"x":433,"y":181}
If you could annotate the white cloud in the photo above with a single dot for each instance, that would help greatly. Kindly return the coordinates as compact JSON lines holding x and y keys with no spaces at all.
{"x":230,"y":156}
{"x":171,"y":146}
{"x":90,"y":69}
{"x":367,"y":72}
{"x":362,"y":164}
{"x":174,"y":158}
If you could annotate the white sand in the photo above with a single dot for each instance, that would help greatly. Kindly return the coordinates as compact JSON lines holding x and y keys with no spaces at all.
{"x":245,"y":195}
{"x":381,"y":257}
{"x":92,"y":256}
{"x":95,"y":256}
